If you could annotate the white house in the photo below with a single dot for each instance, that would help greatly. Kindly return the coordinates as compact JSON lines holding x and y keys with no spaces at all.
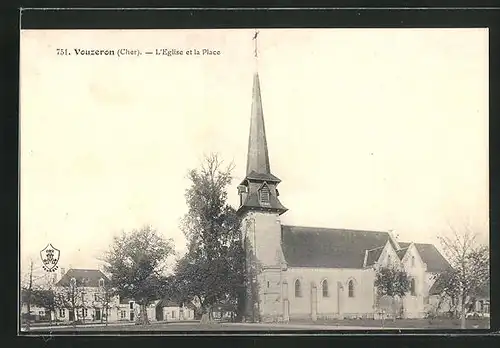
{"x":168,"y":310}
{"x":84,"y":293}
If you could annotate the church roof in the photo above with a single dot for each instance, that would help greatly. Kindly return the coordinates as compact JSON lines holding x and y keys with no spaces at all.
{"x":401,"y":252}
{"x":258,"y":156}
{"x":373,"y":255}
{"x":329,"y":248}
{"x":253,"y":175}
{"x":83,"y":277}
{"x":253,"y":201}
{"x":430,"y":255}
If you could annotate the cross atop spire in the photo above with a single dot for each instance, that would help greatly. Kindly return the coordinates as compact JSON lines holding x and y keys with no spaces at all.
{"x":255,"y":43}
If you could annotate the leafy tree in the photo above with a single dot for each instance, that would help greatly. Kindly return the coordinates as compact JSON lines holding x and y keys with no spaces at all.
{"x":470,"y":267}
{"x":136,"y":262}
{"x":212,"y":271}
{"x":46,"y":298}
{"x":392,"y":281}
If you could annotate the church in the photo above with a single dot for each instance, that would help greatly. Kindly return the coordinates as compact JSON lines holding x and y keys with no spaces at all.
{"x":317,"y":273}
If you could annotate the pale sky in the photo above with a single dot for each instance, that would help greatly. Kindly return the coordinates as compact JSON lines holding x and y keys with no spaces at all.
{"x":374,"y":129}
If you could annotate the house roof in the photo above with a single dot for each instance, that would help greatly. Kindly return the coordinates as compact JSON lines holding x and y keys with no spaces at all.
{"x":439,"y":286}
{"x":166,"y":302}
{"x":431,"y":256}
{"x":328,"y":248}
{"x":373,"y":255}
{"x":83,"y":277}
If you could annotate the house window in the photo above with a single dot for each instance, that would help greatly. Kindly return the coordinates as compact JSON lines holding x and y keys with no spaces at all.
{"x":131,"y":305}
{"x":324,"y":287}
{"x":486,"y":308}
{"x":412,"y":287}
{"x":85,"y":312}
{"x":173,"y":314}
{"x":298,"y":290}
{"x":264,"y":195}
{"x":96,"y":298}
{"x":62,"y":312}
{"x":123,"y":314}
{"x":413,"y":261}
{"x":101,"y":282}
{"x":350,"y":287}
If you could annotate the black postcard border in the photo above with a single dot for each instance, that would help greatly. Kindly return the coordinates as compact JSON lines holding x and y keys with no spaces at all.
{"x":240,"y":18}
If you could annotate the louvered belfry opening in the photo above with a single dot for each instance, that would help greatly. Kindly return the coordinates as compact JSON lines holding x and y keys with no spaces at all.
{"x":264,"y":195}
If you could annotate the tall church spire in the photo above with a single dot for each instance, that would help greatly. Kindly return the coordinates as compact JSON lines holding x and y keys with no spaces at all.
{"x":258,"y":189}
{"x":258,"y":154}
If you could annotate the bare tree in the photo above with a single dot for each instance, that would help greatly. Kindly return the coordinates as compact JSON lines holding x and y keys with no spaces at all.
{"x":32,"y":283}
{"x":470,"y":266}
{"x":71,"y":296}
{"x":103,"y":300}
{"x":27,"y":294}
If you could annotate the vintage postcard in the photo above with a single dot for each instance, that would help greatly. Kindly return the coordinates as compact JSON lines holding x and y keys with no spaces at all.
{"x":253,"y":179}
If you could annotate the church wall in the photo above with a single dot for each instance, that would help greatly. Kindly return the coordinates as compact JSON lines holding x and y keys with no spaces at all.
{"x":337,"y":303}
{"x":267,"y":242}
{"x":414,"y":304}
{"x":388,"y":256}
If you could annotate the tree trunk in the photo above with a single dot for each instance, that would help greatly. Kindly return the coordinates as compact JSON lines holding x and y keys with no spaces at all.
{"x":462,"y":308}
{"x":143,"y":315}
{"x":205,"y":316}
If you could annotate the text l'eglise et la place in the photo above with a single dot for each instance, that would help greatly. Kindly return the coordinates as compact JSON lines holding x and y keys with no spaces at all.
{"x":136,"y":52}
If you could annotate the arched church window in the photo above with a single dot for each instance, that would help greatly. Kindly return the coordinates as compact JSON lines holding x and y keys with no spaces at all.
{"x":101,"y":282}
{"x":412,"y":287}
{"x":324,"y":288}
{"x":264,"y":195}
{"x":350,"y":287}
{"x":298,"y":290}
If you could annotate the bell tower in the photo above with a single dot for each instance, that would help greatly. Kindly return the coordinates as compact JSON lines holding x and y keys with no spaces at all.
{"x":259,"y":210}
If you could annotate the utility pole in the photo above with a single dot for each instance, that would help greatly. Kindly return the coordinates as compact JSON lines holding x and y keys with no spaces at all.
{"x":29,"y":291}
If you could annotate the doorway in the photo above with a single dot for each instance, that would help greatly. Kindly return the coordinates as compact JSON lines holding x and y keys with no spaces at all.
{"x":132,"y":315}
{"x":71,"y":315}
{"x":97,"y":314}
